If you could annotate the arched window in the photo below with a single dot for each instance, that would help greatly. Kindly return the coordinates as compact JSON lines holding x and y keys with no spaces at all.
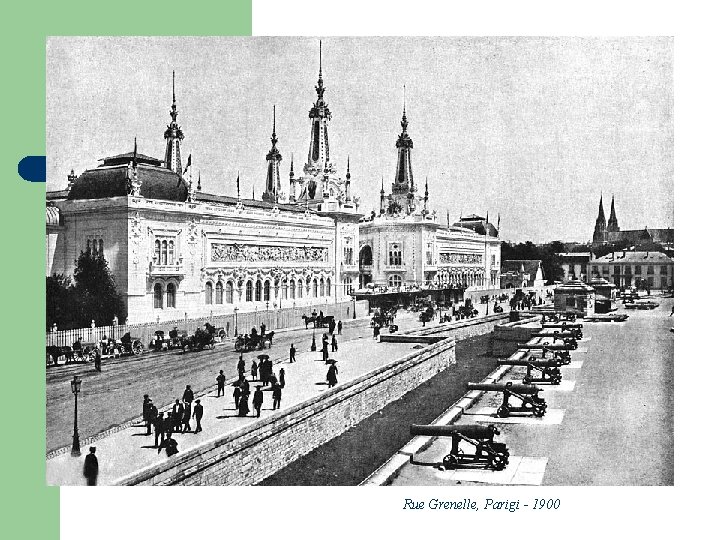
{"x":315,"y":288}
{"x":157,"y":296}
{"x":208,"y":293}
{"x":327,"y":287}
{"x":322,"y":286}
{"x":292,"y":288}
{"x":164,"y":253}
{"x":284,"y":289}
{"x":395,"y":281}
{"x":229,"y":292}
{"x":266,"y":291}
{"x":171,"y":252}
{"x":366,"y":256}
{"x":100,"y":247}
{"x":258,"y":291}
{"x":170,"y":295}
{"x":157,"y":252}
{"x":94,"y":247}
{"x":248,"y":290}
{"x":219,"y":290}
{"x":277,"y":288}
{"x":300,"y":288}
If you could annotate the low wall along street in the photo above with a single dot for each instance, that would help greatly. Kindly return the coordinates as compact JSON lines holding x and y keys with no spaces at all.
{"x":250,"y":454}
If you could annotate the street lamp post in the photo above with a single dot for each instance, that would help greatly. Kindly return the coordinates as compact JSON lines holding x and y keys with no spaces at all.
{"x":75,"y":385}
{"x":236,"y":321}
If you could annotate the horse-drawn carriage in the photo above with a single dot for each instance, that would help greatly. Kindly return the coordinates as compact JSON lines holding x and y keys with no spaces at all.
{"x":202,"y":338}
{"x":173,"y":340}
{"x":427,"y":315}
{"x":466,"y":311}
{"x":318,"y":321}
{"x":58,"y":355}
{"x":383,"y":317}
{"x":254,"y":342}
{"x":127,"y":346}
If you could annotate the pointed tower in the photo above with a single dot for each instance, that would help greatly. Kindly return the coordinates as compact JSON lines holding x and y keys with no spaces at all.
{"x":600,"y":233}
{"x":319,"y":153}
{"x":347,"y":180}
{"x":173,"y":136}
{"x":292,"y":178}
{"x":403,"y":188}
{"x":272,"y":182}
{"x":426,"y":198}
{"x":612,"y":224}
{"x":382,"y":195}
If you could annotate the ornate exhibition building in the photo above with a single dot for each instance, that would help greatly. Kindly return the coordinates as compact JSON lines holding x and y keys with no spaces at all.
{"x":175,"y":250}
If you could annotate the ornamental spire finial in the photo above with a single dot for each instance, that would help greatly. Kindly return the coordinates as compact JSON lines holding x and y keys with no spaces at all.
{"x":347,"y":175}
{"x":404,"y":122}
{"x":273,"y":139}
{"x":173,"y":109}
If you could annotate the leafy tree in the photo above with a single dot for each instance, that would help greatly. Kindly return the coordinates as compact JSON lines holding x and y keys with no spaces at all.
{"x":547,"y":253}
{"x":96,"y":297}
{"x":58,"y":301}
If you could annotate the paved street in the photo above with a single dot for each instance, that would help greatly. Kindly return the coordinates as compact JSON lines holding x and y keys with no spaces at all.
{"x":609,"y":423}
{"x":127,"y":450}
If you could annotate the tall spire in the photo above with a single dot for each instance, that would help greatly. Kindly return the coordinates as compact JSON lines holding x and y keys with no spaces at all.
{"x":319,"y":154}
{"x":173,"y":136}
{"x":272,"y":182}
{"x":600,"y":232}
{"x":404,"y":185}
{"x":199,"y":187}
{"x":612,"y":224}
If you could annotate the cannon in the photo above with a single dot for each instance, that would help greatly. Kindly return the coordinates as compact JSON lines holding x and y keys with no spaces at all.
{"x":545,"y":347}
{"x":574,"y":329}
{"x":559,"y":353}
{"x":565,"y":337}
{"x":526,"y":393}
{"x":487,"y":452}
{"x":549,"y":369}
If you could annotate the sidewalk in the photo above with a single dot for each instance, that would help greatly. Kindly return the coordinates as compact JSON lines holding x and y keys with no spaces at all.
{"x":129,"y":449}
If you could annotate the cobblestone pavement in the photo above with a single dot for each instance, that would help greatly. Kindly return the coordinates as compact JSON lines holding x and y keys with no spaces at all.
{"x":609,"y":423}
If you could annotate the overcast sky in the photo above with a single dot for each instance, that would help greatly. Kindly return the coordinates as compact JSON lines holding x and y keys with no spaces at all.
{"x":532,"y":129}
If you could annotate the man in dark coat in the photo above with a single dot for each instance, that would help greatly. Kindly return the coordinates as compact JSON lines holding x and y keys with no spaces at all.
{"x":277,"y":395}
{"x":237,"y":392}
{"x":152,"y":416}
{"x":332,"y":375}
{"x":282,"y":377}
{"x":170,"y":445}
{"x":197,"y":415}
{"x":254,"y":370}
{"x":159,"y":429}
{"x":220,"y":383}
{"x":333,"y":344}
{"x":292,"y":352}
{"x":258,"y":400}
{"x":339,"y":328}
{"x":241,"y":367}
{"x":262,"y":329}
{"x":187,"y":413}
{"x":146,"y":411}
{"x":177,"y":415}
{"x":91,"y":468}
{"x":188,"y":395}
{"x":169,"y":424}
{"x":98,"y":363}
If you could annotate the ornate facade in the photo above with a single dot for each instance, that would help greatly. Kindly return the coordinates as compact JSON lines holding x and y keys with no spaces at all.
{"x":176,"y":251}
{"x":405,"y":246}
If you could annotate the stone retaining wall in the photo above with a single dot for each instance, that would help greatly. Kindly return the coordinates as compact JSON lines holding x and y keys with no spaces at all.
{"x":252,"y":453}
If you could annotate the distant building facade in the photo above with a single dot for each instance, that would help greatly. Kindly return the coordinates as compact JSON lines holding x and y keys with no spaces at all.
{"x":629,"y":268}
{"x":521,"y":273}
{"x":608,"y":232}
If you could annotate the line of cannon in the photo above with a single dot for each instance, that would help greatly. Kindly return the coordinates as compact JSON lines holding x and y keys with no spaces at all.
{"x":519,"y":399}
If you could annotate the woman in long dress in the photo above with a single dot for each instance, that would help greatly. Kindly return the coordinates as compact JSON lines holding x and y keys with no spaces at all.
{"x":332,"y":375}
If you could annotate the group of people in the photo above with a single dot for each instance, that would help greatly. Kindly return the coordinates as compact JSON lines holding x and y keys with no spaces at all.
{"x":267,"y":377}
{"x":176,"y":420}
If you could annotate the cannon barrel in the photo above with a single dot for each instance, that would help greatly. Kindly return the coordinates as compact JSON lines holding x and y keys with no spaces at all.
{"x":541,"y":363}
{"x":499,"y":387}
{"x":473,"y":431}
{"x":555,"y":335}
{"x":561,"y":325}
{"x":541,"y":346}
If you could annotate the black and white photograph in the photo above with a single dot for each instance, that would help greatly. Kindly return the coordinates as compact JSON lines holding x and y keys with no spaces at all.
{"x":360,"y":261}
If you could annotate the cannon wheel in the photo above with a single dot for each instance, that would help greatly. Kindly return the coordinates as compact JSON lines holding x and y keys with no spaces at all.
{"x":450,"y":461}
{"x":499,"y":461}
{"x":137,"y":347}
{"x":539,"y":410}
{"x":503,"y":411}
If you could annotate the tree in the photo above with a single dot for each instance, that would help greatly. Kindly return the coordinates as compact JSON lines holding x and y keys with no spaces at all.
{"x":59,"y":294}
{"x":547,"y":253}
{"x":96,"y":297}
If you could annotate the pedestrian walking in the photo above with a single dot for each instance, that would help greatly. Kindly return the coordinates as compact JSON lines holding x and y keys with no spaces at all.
{"x":177,"y":415}
{"x":258,"y":400}
{"x":292,"y":353}
{"x":98,"y":363}
{"x":241,"y":367}
{"x":277,"y":396}
{"x":159,"y":429}
{"x":333,"y":344}
{"x":332,"y":375}
{"x":339,"y":328}
{"x":152,"y":416}
{"x":187,"y":413}
{"x":168,"y":425}
{"x":272,"y":379}
{"x":236,"y":395}
{"x":243,"y":407}
{"x":91,"y":467}
{"x":254,"y":370}
{"x":188,"y":395}
{"x":170,"y":445}
{"x":262,"y":329}
{"x":220,"y":383}
{"x":282,"y":377}
{"x":146,"y":410}
{"x":198,"y":414}
{"x":376,"y":331}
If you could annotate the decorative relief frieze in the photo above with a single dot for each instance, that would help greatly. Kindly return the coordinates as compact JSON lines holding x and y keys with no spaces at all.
{"x":460,"y":258}
{"x":254,"y":253}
